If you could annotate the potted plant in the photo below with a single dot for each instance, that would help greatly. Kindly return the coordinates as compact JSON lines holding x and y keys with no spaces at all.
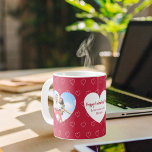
{"x":108,"y":17}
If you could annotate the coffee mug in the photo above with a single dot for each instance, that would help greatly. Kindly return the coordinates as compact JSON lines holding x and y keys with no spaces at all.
{"x":79,"y":102}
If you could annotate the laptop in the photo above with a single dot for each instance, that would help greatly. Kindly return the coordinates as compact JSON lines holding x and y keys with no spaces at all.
{"x":131,"y":91}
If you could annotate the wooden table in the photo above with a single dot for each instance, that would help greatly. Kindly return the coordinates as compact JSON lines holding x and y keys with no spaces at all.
{"x":22,"y":128}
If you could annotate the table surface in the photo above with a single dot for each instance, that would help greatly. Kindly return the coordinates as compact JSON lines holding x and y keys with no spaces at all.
{"x":23,"y":129}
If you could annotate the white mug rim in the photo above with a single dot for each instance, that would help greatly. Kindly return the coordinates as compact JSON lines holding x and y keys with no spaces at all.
{"x":79,"y":74}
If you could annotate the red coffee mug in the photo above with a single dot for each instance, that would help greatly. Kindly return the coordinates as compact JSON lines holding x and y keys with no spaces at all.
{"x":79,"y":104}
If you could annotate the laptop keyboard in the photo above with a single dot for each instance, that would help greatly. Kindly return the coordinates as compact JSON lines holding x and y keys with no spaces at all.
{"x":124,"y":101}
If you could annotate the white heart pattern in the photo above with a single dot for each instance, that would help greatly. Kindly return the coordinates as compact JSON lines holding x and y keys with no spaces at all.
{"x":83,"y":124}
{"x":72,"y":123}
{"x":95,"y":105}
{"x":67,"y":134}
{"x":72,"y":81}
{"x":77,"y":92}
{"x":83,"y":81}
{"x":93,"y":81}
{"x":77,"y":134}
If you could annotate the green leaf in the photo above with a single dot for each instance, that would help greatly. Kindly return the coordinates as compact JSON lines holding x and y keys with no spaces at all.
{"x":112,"y":9}
{"x":130,"y":2}
{"x":81,"y":5}
{"x":84,"y":15}
{"x":87,"y":25}
{"x":113,"y":27}
{"x":142,"y":6}
{"x":119,"y":0}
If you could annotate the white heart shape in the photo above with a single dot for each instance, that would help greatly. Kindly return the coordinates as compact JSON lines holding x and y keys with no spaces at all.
{"x":95,"y":105}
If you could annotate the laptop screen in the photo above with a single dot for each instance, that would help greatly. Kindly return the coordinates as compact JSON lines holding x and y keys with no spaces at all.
{"x":133,"y":72}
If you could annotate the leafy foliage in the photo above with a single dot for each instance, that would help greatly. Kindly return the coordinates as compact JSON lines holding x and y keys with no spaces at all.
{"x":110,"y":19}
{"x":81,"y":5}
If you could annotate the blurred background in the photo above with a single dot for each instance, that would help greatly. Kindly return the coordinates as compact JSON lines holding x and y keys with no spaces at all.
{"x":33,"y":35}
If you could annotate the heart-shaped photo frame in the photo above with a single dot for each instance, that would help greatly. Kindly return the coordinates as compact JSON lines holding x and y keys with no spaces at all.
{"x":95,"y":105}
{"x":64,"y":105}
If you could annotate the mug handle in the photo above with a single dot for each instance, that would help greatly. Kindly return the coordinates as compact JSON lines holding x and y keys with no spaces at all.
{"x":44,"y":101}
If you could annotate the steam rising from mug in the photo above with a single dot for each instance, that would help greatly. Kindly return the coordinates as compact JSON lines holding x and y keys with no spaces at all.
{"x":85,"y":49}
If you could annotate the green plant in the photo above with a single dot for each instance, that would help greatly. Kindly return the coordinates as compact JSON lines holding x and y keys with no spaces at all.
{"x":108,"y":17}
